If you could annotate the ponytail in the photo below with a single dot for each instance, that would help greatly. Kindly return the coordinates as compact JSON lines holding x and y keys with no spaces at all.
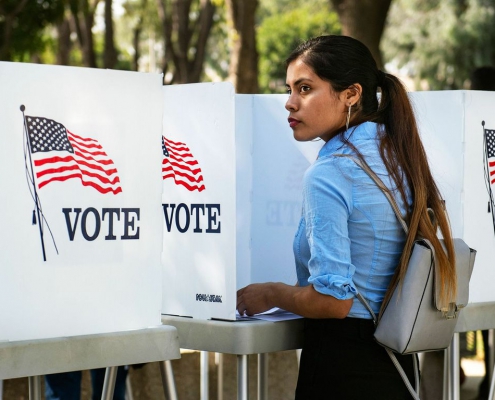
{"x":406,"y":162}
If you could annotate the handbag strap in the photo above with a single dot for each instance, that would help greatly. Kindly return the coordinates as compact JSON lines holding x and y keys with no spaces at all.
{"x":395,"y":207}
{"x":366,"y":168}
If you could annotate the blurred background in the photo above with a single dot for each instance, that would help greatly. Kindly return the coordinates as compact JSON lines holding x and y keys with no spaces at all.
{"x":430,"y":44}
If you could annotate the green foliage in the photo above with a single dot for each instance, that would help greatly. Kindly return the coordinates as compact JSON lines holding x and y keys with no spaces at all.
{"x":440,"y":42}
{"x":27,"y":26}
{"x":281,"y":33}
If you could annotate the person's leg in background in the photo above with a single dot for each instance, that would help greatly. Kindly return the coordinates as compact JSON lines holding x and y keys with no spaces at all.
{"x":63,"y":386}
{"x":98,"y":377}
{"x":484,"y":387}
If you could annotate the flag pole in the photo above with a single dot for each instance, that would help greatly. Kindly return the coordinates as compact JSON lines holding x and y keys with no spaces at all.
{"x":487,"y":176}
{"x":36,"y":199}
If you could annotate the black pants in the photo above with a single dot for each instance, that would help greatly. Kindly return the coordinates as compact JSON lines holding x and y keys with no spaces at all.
{"x":341,"y":360}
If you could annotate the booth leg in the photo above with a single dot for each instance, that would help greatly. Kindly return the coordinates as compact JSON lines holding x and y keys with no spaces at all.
{"x":243,"y":377}
{"x":168,"y":381}
{"x":34,"y":387}
{"x":204,"y":395}
{"x":490,"y":352}
{"x":109,"y":383}
{"x":128,"y":389}
{"x":219,"y":363}
{"x":263,"y":376}
{"x":491,"y":396}
{"x":446,"y":395}
{"x":453,"y":366}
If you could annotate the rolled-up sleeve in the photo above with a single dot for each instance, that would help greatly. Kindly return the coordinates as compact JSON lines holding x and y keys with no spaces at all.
{"x":328,"y":204}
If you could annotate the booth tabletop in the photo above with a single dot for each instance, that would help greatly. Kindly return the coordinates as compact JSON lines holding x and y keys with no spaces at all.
{"x":47,"y":356}
{"x":237,"y":337}
{"x":477,"y":316}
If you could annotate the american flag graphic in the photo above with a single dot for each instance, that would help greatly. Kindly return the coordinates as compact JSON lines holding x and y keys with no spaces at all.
{"x":490,"y":153}
{"x":179,"y":163}
{"x":59,"y":155}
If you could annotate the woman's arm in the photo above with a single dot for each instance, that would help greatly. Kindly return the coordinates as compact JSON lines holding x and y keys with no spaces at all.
{"x":304,"y":301}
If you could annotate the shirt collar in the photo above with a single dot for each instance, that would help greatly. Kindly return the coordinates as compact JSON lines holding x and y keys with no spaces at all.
{"x":364,"y":131}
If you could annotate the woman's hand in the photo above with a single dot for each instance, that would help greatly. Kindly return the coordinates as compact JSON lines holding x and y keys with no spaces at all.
{"x":254,"y":299}
{"x":304,"y":301}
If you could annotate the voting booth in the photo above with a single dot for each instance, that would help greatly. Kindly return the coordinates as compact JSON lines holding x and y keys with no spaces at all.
{"x":232,"y":185}
{"x":457,"y":128}
{"x":80,"y":201}
{"x":104,"y":230}
{"x":235,"y":222}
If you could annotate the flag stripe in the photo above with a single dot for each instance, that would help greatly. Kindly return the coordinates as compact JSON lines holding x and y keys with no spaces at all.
{"x":171,"y":142}
{"x":194,"y":162}
{"x":188,"y":177}
{"x":78,"y":164}
{"x":178,"y":147}
{"x":99,"y":188}
{"x":185,"y":184}
{"x":195,"y":171}
{"x":177,"y":164}
{"x":55,"y":171}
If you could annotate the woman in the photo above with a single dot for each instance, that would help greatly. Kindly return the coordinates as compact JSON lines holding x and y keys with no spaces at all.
{"x":349,"y":240}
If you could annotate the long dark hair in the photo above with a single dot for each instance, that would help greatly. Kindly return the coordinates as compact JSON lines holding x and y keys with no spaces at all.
{"x":343,"y":62}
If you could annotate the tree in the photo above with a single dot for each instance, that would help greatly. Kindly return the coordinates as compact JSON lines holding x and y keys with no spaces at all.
{"x":110,"y":53}
{"x":186,"y":25}
{"x":282,"y":30}
{"x":364,"y":20}
{"x":443,"y":42}
{"x":243,"y":70}
{"x":21,"y":25}
{"x":83,"y":12}
{"x":63,"y":39}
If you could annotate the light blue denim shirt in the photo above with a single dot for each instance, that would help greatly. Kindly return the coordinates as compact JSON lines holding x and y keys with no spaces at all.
{"x":349,"y":239}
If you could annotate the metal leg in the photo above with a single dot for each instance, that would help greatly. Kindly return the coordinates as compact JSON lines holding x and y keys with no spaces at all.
{"x":243,"y":377}
{"x":34,"y":387}
{"x":1,"y":389}
{"x":109,"y":383}
{"x":263,"y":376}
{"x":204,"y":375}
{"x":168,"y":381}
{"x":454,"y":364}
{"x":491,"y":395}
{"x":128,"y":389}
{"x":446,"y":383}
{"x":490,"y":352}
{"x":219,"y":363}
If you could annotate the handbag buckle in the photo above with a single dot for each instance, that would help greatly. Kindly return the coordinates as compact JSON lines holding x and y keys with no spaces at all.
{"x":452,"y":312}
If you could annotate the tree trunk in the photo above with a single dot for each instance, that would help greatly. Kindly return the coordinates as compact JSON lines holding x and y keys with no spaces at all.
{"x":136,"y":36}
{"x":83,"y":14}
{"x":8,"y":20}
{"x":243,"y":69}
{"x":203,"y":28}
{"x":181,"y":35}
{"x":364,"y":20}
{"x":64,"y":42}
{"x":110,"y":55}
{"x":166,"y":21}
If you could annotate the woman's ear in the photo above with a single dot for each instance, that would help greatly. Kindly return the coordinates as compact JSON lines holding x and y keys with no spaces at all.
{"x":352,"y":94}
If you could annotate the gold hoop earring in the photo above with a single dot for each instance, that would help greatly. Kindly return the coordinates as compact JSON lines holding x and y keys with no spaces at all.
{"x":348,"y":118}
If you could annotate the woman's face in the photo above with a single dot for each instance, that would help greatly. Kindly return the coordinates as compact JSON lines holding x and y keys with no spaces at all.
{"x":316,"y":110}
